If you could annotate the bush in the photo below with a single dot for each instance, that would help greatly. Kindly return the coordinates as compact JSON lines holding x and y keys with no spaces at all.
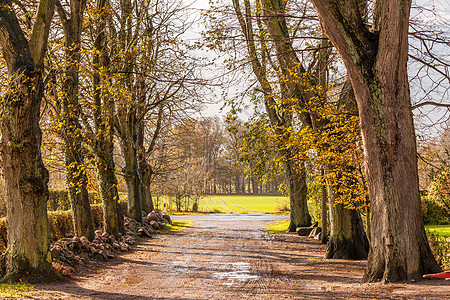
{"x":282,"y":208}
{"x":60,"y":224}
{"x":440,"y":248}
{"x":435,"y":215}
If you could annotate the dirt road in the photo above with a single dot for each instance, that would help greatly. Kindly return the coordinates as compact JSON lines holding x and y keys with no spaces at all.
{"x":230,"y":257}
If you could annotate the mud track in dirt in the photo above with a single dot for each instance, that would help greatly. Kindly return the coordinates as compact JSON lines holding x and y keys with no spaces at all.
{"x":226,"y":257}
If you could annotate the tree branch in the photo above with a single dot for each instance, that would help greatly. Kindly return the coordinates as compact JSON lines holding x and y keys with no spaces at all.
{"x":62,"y":16}
{"x":430,"y":103}
{"x":40,"y":32}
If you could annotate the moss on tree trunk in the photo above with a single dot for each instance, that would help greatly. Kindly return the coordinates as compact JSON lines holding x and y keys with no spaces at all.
{"x":27,"y":256}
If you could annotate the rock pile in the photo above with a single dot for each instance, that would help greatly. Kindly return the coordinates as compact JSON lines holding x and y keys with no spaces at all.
{"x":71,"y":252}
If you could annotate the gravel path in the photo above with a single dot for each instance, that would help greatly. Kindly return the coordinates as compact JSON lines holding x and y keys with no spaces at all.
{"x":230,"y":257}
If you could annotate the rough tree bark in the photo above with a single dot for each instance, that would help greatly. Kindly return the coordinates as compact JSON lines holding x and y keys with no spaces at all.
{"x":27,"y":256}
{"x":376,"y":61}
{"x":131,"y":171}
{"x":72,"y":136}
{"x":104,"y":129}
{"x":348,"y":239}
{"x":146,"y":174}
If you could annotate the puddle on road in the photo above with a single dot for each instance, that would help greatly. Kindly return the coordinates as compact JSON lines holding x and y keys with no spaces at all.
{"x":235,"y":272}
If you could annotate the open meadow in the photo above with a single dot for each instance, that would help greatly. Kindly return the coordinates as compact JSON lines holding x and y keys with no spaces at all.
{"x":234,"y":204}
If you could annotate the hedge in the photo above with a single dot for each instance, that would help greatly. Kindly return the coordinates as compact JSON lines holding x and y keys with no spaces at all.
{"x":60,"y":223}
{"x":59,"y":200}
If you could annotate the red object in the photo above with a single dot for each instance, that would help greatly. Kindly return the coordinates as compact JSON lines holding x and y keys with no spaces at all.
{"x":445,"y":275}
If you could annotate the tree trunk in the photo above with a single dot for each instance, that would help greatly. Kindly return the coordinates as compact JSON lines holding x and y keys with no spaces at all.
{"x":399,"y":247}
{"x":72,"y":136}
{"x":132,"y":178}
{"x":347,"y":237}
{"x":324,"y":212}
{"x":280,"y":120}
{"x":83,"y":223}
{"x":299,"y":214}
{"x":376,"y":62}
{"x":104,"y":138}
{"x":254,"y":186}
{"x":27,"y":256}
{"x":112,"y":214}
{"x":146,"y":194}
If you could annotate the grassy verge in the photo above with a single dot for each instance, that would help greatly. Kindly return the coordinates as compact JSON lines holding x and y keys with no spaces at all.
{"x":180,"y":213}
{"x":282,"y":226}
{"x":278,"y":226}
{"x":15,"y":290}
{"x":177,"y":226}
{"x":442,"y":230}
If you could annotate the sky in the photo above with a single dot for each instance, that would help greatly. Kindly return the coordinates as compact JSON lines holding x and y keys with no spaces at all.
{"x":440,"y":7}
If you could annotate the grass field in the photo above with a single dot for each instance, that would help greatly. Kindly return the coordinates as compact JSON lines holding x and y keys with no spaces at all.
{"x":236,"y":204}
{"x":177,"y":226}
{"x":243,"y":204}
{"x":278,"y":226}
{"x":442,"y":230}
{"x":282,"y":226}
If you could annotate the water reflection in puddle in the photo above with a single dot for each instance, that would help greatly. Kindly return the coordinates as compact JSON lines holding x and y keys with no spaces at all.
{"x":234,"y":272}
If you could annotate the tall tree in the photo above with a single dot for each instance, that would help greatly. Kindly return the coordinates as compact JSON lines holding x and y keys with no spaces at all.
{"x":308,"y":86}
{"x":103,"y":132}
{"x":28,"y":254}
{"x":376,"y":61}
{"x":72,"y":23}
{"x":280,"y":117}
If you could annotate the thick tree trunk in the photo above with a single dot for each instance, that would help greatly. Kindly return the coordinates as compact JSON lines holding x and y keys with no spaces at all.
{"x":74,"y":158}
{"x":377,"y":66}
{"x":27,"y":255}
{"x":347,"y":237}
{"x":254,"y":185}
{"x":399,"y":248}
{"x":298,"y":192}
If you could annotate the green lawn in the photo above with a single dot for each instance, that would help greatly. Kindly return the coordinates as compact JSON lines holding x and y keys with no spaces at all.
{"x":235,"y":204}
{"x":442,"y":230}
{"x":177,"y":225}
{"x":243,"y":204}
{"x":278,"y":226}
{"x":282,"y":226}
